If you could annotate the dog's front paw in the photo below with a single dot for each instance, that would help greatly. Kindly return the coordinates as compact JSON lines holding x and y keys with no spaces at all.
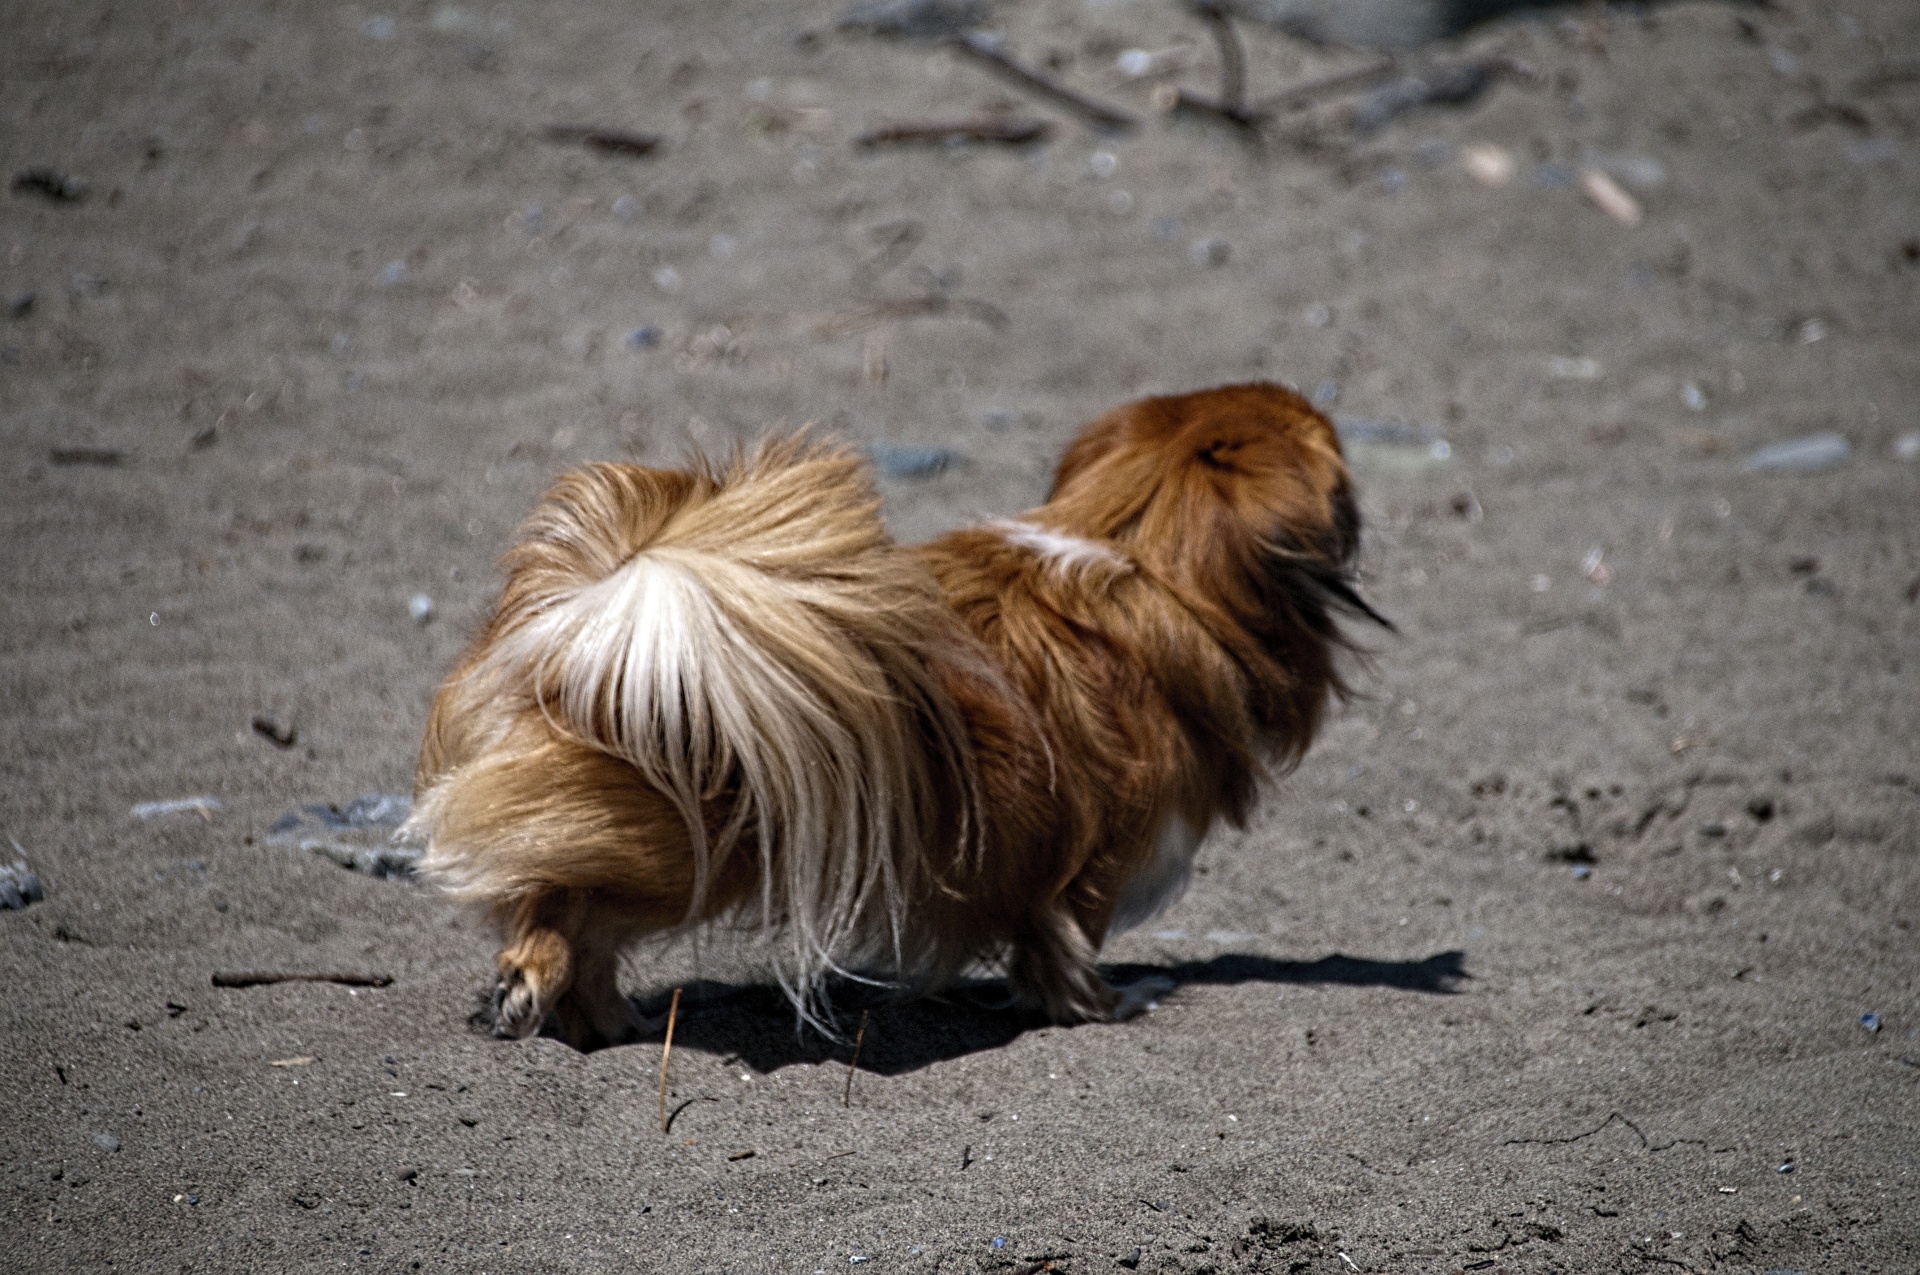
{"x":517,"y":1012}
{"x":1136,"y":999}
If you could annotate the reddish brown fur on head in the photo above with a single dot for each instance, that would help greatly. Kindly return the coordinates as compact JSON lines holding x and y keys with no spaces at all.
{"x":1238,"y":496}
{"x":1180,"y":476}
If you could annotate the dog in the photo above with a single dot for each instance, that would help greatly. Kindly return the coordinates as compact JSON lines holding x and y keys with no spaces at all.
{"x":725,"y":693}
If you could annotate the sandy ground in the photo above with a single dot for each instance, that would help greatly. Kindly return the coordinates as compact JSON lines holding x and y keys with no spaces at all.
{"x":1552,"y":957}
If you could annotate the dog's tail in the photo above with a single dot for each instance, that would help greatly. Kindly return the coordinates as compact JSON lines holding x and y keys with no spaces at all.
{"x":754,"y":644}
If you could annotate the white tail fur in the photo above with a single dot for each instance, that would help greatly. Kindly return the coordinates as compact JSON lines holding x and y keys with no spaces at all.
{"x":756,"y":646}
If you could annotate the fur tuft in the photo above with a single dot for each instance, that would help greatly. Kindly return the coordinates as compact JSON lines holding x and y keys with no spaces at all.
{"x":754,"y":647}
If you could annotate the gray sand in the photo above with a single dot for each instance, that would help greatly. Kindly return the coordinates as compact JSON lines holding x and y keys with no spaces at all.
{"x":1552,"y":957}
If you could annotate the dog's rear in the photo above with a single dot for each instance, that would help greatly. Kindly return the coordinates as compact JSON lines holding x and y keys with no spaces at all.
{"x":701,"y":693}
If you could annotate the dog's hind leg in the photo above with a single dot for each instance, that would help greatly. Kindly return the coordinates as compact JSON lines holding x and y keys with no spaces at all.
{"x":592,"y":1013}
{"x":536,"y":963}
{"x":559,"y":964}
{"x":1052,"y":968}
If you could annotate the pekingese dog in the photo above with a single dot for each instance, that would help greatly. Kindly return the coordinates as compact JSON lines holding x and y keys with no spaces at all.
{"x":727,"y":694}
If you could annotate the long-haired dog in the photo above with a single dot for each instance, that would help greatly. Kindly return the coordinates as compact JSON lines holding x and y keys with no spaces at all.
{"x":716,"y":694}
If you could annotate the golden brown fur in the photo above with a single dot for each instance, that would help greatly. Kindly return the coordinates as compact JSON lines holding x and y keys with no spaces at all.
{"x":710,"y":695}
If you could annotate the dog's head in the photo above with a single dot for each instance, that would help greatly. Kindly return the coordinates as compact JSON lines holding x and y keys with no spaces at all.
{"x":1240,"y":496}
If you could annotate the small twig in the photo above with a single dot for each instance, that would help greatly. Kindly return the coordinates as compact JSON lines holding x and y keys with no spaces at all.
{"x":613,"y":141}
{"x":261,"y":978}
{"x":104,"y":457}
{"x":274,"y":733}
{"x":1232,"y":106}
{"x":986,"y":50}
{"x":675,"y":1113}
{"x":1233,"y":55}
{"x":866,"y":318}
{"x":896,"y":240}
{"x":846,"y":1098}
{"x":1302,"y":94}
{"x":1554,"y":1142}
{"x":673,"y":1012}
{"x":1171,"y":100}
{"x":1007,"y":131}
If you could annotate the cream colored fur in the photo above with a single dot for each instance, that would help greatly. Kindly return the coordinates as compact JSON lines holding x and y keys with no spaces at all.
{"x":762,"y":656}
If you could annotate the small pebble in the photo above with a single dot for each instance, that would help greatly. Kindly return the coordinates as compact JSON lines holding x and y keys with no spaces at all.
{"x":1808,"y":455}
{"x":19,"y":886}
{"x":106,"y":1142}
{"x":625,"y":209}
{"x":1581,"y":367}
{"x":1872,"y":150}
{"x":1488,"y":164}
{"x":999,"y":1241}
{"x":1788,"y":1167}
{"x":905,"y":460}
{"x":20,"y":305}
{"x":1209,"y":252}
{"x":1581,"y":872}
{"x":1871,"y":1022}
{"x":1693,"y":396}
{"x":1907,"y":447}
{"x":202,"y":806}
{"x":1642,"y":172}
{"x":420,"y":607}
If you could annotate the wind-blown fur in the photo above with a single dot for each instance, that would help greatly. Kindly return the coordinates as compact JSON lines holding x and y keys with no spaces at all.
{"x":729,"y":694}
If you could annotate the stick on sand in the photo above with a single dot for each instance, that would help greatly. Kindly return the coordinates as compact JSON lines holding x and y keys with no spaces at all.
{"x":673,"y":1012}
{"x":846,"y":1099}
{"x":261,"y":978}
{"x":987,"y":50}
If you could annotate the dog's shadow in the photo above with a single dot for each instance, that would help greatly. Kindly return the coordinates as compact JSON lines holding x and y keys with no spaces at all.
{"x":753,"y":1024}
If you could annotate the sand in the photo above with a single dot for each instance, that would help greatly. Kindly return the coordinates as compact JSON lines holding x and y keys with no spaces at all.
{"x":1553,"y":956}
